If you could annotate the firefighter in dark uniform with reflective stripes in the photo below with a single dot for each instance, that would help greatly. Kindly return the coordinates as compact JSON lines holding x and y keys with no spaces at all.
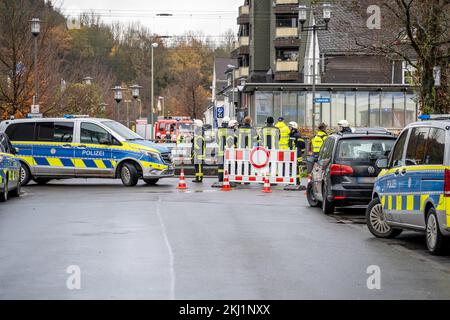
{"x":198,"y":150}
{"x":222,"y":134}
{"x":296,"y":142}
{"x":270,"y":135}
{"x":247,"y":137}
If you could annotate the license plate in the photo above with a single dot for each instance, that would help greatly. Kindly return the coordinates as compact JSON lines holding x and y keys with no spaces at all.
{"x":366,"y":180}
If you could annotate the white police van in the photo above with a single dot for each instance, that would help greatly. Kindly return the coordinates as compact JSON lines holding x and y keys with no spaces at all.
{"x":413,"y":190}
{"x":83,"y":147}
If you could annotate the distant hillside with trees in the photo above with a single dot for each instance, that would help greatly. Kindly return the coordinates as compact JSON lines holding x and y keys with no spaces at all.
{"x":112,"y":55}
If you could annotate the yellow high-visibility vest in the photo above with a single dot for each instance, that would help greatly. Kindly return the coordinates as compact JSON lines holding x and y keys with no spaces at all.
{"x":270,"y":137}
{"x":318,"y":141}
{"x":284,"y":135}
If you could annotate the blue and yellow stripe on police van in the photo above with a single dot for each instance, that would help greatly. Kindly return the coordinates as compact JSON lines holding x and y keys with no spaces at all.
{"x":425,"y":185}
{"x":90,"y":161}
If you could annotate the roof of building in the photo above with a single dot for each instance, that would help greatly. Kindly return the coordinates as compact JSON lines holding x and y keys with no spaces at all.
{"x":340,"y":37}
{"x":349,"y":34}
{"x":221,"y":66}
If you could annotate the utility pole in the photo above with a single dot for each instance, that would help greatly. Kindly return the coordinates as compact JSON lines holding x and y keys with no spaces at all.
{"x":314,"y":28}
{"x":152,"y":105}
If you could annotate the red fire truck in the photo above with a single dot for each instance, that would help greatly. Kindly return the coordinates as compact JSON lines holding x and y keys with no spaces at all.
{"x":168,"y":129}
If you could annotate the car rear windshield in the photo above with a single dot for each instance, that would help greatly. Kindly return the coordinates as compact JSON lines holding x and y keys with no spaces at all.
{"x":364,"y":149}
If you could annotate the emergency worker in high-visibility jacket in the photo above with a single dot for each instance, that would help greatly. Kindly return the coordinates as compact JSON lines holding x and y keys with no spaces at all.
{"x":222,"y":136}
{"x":319,"y":139}
{"x":247,"y":137}
{"x":270,"y":135}
{"x":198,"y":150}
{"x":284,"y":134}
{"x":296,"y":142}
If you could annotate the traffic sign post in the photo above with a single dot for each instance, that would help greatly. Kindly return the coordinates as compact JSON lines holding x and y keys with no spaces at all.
{"x":220,"y":112}
{"x":35,"y":109}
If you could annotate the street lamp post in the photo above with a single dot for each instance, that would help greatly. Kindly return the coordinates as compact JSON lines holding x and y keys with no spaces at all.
{"x":232,"y":67}
{"x":127,"y":103}
{"x":135,"y":92}
{"x":314,"y":28}
{"x":154,"y":46}
{"x":35,"y":31}
{"x":118,"y":96}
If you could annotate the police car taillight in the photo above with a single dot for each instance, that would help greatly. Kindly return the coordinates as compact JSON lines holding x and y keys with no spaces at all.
{"x":447,"y":183}
{"x":341,"y":170}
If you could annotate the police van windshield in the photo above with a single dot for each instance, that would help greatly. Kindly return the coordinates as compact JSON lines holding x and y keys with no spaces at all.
{"x":122,"y":131}
{"x":364,"y":149}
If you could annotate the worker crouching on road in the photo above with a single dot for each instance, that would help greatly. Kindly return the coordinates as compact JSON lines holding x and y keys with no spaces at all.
{"x":270,"y":135}
{"x":296,"y":142}
{"x":198,"y":150}
{"x":284,"y":134}
{"x":319,"y":139}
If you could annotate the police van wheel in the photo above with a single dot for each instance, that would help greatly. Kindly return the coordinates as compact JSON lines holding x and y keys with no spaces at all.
{"x":310,"y":196}
{"x":4,"y":194}
{"x":376,"y":221}
{"x":151,"y":182}
{"x":25,"y":175}
{"x":129,"y":175}
{"x":437,"y":244}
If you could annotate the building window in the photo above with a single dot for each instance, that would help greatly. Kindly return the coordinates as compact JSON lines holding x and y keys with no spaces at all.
{"x":287,"y":55}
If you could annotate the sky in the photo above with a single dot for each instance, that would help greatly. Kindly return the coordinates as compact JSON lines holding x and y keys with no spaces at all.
{"x":212,"y":17}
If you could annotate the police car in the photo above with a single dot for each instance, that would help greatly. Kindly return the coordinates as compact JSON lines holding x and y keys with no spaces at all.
{"x":83,"y":147}
{"x":9,"y":170}
{"x":412,"y":191}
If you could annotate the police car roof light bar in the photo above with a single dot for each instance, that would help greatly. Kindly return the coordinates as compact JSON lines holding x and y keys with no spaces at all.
{"x":73,"y":116}
{"x":427,"y":117}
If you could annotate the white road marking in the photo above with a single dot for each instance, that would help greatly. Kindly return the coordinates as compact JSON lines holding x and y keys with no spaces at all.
{"x":169,"y":249}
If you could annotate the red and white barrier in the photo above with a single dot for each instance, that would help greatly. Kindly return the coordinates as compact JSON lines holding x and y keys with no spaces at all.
{"x":253,"y":166}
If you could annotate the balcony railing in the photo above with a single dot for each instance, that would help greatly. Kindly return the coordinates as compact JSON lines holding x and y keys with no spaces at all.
{"x":244,"y":41}
{"x":244,"y":71}
{"x":236,"y":74}
{"x":286,"y":32}
{"x":287,"y":66}
{"x":286,"y":2}
{"x":244,"y":10}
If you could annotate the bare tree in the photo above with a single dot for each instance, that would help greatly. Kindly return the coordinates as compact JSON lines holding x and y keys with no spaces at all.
{"x":418,"y":32}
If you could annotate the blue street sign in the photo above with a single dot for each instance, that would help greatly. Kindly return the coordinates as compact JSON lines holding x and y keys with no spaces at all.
{"x":220,"y":112}
{"x":323,"y":100}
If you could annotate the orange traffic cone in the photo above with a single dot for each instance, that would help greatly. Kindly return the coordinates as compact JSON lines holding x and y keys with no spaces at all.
{"x":182,"y":184}
{"x":226,"y":182}
{"x":266,"y":188}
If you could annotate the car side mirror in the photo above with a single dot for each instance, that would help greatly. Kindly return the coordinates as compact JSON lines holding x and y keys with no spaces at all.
{"x":15,"y":150}
{"x":382,"y":163}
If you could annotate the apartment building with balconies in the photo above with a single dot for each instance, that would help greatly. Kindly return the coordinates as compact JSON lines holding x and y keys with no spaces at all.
{"x":275,"y":74}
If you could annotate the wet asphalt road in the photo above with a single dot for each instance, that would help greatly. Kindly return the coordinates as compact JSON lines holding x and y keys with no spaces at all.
{"x":158,"y":243}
